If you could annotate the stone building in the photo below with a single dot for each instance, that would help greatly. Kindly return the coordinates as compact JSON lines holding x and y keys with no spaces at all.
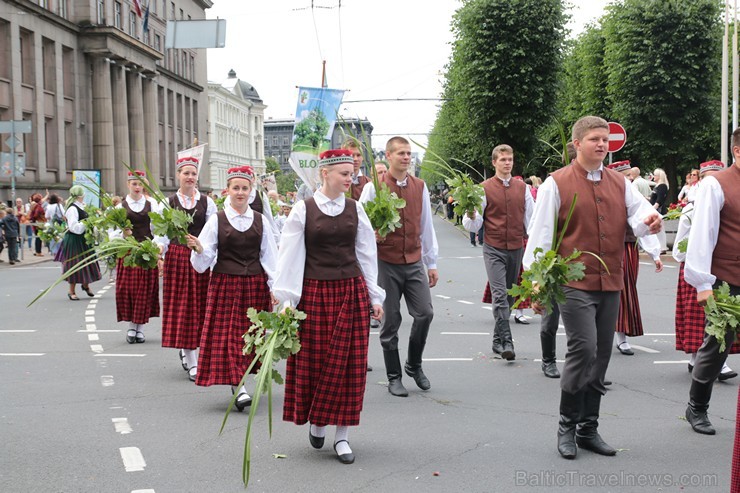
{"x":236,"y":127}
{"x":99,"y":90}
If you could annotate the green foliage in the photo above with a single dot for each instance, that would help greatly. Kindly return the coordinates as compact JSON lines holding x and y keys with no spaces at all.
{"x":383,"y":210}
{"x":310,"y":131}
{"x":683,"y":245}
{"x":220,"y":201}
{"x":135,"y":254}
{"x":172,"y":223}
{"x":52,"y":232}
{"x":723,"y":313}
{"x":468,"y":196}
{"x":99,"y":221}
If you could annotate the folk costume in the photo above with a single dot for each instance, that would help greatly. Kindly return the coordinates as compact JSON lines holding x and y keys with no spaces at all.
{"x":243,"y":253}
{"x":712,"y":258}
{"x":185,"y":289}
{"x":137,"y":289}
{"x":358,"y":183}
{"x":606,"y":205}
{"x":327,"y":269}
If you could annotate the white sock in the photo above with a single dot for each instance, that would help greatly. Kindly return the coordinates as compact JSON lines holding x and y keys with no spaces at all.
{"x":131,"y":329}
{"x":191,"y":357}
{"x":140,"y":327}
{"x":243,"y":390}
{"x":340,"y":440}
{"x":692,"y":358}
{"x":726,"y":369}
{"x":519,"y":313}
{"x":621,"y":338}
{"x":318,"y":431}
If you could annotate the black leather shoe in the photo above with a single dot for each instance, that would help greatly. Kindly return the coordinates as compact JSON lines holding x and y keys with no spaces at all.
{"x":131,"y":336}
{"x":316,"y":442}
{"x":344,"y":458}
{"x":140,"y":337}
{"x":418,"y":375}
{"x":369,"y":368}
{"x":395,"y":387}
{"x":521,"y":320}
{"x":567,"y":443}
{"x":627,"y":351}
{"x":595,"y":444}
{"x":183,"y":361}
{"x":727,"y":375}
{"x":699,"y":421}
{"x":550,"y":369}
{"x":242,"y":400}
{"x":691,"y":367}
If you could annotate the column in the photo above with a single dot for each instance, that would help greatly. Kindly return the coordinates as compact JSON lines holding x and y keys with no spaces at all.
{"x":120,"y":127}
{"x":136,"y":120}
{"x":39,"y":110}
{"x":102,"y":124}
{"x":151,"y":127}
{"x":61,"y":115}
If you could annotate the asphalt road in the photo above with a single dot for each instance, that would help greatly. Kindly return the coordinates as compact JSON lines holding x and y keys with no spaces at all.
{"x":82,"y":410}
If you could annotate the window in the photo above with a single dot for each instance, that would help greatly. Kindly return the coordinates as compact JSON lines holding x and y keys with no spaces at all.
{"x":184,"y":64}
{"x":117,"y":15}
{"x":192,"y":68}
{"x":147,"y":39}
{"x":172,"y":11}
{"x":157,"y":42}
{"x":101,"y":12}
{"x":62,"y":8}
{"x":132,"y":23}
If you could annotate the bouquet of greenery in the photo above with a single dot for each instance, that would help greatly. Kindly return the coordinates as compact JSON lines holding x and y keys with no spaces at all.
{"x":467,"y":194}
{"x":172,"y":223}
{"x":383,"y":209}
{"x":543,"y":281}
{"x":220,"y":202}
{"x":723,"y":313}
{"x":271,"y":338}
{"x":52,"y":232}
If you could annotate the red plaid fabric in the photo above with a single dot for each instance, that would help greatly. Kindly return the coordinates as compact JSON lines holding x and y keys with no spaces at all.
{"x":629,"y":320}
{"x":137,"y":294}
{"x":183,"y":300}
{"x":735,"y":478}
{"x":325,"y":380}
{"x":690,"y":319}
{"x":221,"y":360}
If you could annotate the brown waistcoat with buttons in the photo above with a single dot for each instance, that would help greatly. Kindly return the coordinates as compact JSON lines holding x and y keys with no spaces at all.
{"x":330,"y":243}
{"x":356,"y":190}
{"x":239,"y":251}
{"x":726,"y":256}
{"x":140,"y":222}
{"x":503,"y":218}
{"x":403,"y":246}
{"x":598,"y":225}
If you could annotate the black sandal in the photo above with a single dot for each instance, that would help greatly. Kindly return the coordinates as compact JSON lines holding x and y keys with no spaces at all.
{"x":72,"y":297}
{"x":88,"y":291}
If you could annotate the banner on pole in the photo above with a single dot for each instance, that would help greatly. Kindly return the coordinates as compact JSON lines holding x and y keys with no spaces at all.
{"x":196,"y":152}
{"x":90,"y":181}
{"x":315,"y":116}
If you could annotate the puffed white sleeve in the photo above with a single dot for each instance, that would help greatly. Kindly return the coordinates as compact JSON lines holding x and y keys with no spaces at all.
{"x":269,"y":217}
{"x":368,"y":193}
{"x":208,"y":238}
{"x":638,"y":209}
{"x":684,"y":227}
{"x":73,"y":221}
{"x":366,"y":250}
{"x":268,"y":255}
{"x":211,"y":208}
{"x":288,"y":285}
{"x":710,"y":200}
{"x":542,"y":224}
{"x":429,"y":246}
{"x":651,"y":245}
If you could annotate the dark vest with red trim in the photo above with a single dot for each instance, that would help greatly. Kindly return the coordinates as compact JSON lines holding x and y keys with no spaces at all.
{"x":503,"y":219}
{"x":140,"y":222}
{"x":330,"y":243}
{"x":403,"y":246}
{"x":239,"y":251}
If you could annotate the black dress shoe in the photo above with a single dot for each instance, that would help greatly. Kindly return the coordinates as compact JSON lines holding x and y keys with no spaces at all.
{"x":521,"y":320}
{"x":691,"y":367}
{"x":550,"y":369}
{"x":183,"y":361}
{"x":131,"y":336}
{"x":727,"y":375}
{"x":344,"y":458}
{"x":369,"y":368}
{"x":596,"y":444}
{"x":699,"y":421}
{"x":316,"y":442}
{"x":627,"y":351}
{"x":242,"y":400}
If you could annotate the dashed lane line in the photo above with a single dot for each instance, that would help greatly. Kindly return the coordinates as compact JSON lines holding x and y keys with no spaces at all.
{"x":22,"y":354}
{"x":465,"y":333}
{"x":107,"y":380}
{"x":133,"y":460}
{"x":120,"y":355}
{"x":121,"y":425}
{"x":16,"y":331}
{"x":644,"y":349}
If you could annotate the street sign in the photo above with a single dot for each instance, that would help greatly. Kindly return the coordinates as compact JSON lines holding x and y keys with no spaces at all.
{"x":13,"y":142}
{"x":17,"y":126}
{"x":617,"y":136}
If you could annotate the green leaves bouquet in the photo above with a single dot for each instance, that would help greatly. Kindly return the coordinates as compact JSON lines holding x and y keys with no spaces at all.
{"x":467,"y":194}
{"x":52,"y":232}
{"x":722,"y":312}
{"x":383,"y":209}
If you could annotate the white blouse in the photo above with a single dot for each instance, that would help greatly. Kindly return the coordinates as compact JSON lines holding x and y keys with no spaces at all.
{"x":292,"y":256}
{"x":74,"y":225}
{"x":241,"y":222}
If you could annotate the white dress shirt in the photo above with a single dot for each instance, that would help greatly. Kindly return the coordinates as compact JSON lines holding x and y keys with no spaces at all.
{"x":546,"y":208}
{"x":188,"y":203}
{"x":74,"y":225}
{"x":429,"y":247}
{"x":266,"y":212}
{"x":241,"y":222}
{"x":684,"y":228}
{"x":292,"y":256}
{"x":136,"y":206}
{"x":704,"y":233}
{"x":475,"y":224}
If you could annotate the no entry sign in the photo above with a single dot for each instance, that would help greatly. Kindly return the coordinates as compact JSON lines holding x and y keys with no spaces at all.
{"x":617,"y":136}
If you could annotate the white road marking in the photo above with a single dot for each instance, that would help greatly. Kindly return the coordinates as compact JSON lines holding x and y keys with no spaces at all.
{"x":487,"y":308}
{"x":22,"y":354}
{"x":375,"y":333}
{"x":666,"y":334}
{"x":644,"y":349}
{"x":90,"y":312}
{"x":539,"y":360}
{"x":120,"y":355}
{"x":91,"y":327}
{"x":99,"y":331}
{"x":93,"y":302}
{"x":447,"y":359}
{"x":93,"y":337}
{"x":122,"y":426}
{"x":90,"y":320}
{"x":681,"y":362}
{"x":142,"y":491}
{"x":442,"y":296}
{"x":132,"y":459}
{"x":97,"y":296}
{"x":16,"y":331}
{"x":664,"y":265}
{"x":465,"y":333}
{"x":106,"y":380}
{"x":465,"y":302}
{"x":96,"y":348}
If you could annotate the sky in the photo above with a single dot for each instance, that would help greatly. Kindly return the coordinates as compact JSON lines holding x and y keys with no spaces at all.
{"x":374,"y":49}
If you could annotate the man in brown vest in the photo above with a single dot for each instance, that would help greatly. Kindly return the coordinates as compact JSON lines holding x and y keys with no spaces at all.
{"x":358,"y":181}
{"x":606,"y":205}
{"x":402,"y":258}
{"x":507,"y":207}
{"x":711,"y":258}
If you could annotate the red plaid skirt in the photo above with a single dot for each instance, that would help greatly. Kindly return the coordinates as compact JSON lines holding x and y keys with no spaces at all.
{"x":690,"y":319}
{"x":137,"y":294}
{"x":629,"y":320}
{"x":183,"y":300}
{"x":325,"y":380}
{"x":735,"y":479}
{"x":221,"y":360}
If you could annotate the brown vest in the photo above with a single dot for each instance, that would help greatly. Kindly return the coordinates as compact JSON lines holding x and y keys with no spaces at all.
{"x":141,"y":224}
{"x":356,"y":190}
{"x":198,"y":214}
{"x":598,"y":225}
{"x":256,"y":204}
{"x":503,"y":219}
{"x":330,"y":243}
{"x":726,"y":256}
{"x":239,"y":251}
{"x":403,"y":246}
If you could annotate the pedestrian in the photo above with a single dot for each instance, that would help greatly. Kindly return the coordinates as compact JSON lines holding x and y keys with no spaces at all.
{"x":711,"y":258}
{"x":137,"y":289}
{"x":12,"y":231}
{"x":606,"y":204}
{"x":689,"y":318}
{"x":381,"y":169}
{"x":54,"y":216}
{"x":659,"y":199}
{"x":402,"y":257}
{"x":185,"y":289}
{"x":358,"y":180}
{"x":21,"y":213}
{"x":639,"y":183}
{"x":507,"y":207}
{"x":75,"y":249}
{"x":240,"y":242}
{"x":327,"y":269}
{"x":36,"y":216}
{"x":2,"y":233}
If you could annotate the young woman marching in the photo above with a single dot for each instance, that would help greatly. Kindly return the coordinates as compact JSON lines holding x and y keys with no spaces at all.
{"x":137,"y":289}
{"x":74,"y":248}
{"x":185,"y":289}
{"x":327,"y":267}
{"x":241,"y":243}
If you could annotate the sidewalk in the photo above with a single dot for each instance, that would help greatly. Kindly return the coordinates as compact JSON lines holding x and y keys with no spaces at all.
{"x":26,"y":258}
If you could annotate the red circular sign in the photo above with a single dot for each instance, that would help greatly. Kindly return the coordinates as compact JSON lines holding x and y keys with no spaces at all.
{"x":617,"y":136}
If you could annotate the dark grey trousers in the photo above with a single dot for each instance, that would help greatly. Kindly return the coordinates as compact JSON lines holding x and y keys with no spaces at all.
{"x":411,"y":282}
{"x":590,"y":318}
{"x":709,"y":359}
{"x":502,"y":268}
{"x":549,"y":323}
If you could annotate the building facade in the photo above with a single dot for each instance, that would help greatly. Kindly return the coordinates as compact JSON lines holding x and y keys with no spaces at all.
{"x":101,"y":92}
{"x":236,"y":128}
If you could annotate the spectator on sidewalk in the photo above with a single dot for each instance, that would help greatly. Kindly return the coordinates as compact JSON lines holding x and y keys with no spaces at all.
{"x":12,"y":230}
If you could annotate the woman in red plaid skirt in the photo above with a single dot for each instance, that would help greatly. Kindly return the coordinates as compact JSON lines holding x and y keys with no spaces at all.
{"x":185,"y":289}
{"x":137,"y":289}
{"x":327,"y":267}
{"x":689,"y":315}
{"x":238,"y":242}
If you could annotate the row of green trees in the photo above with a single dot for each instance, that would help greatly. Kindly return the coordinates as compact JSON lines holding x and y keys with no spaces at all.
{"x":514,"y":77}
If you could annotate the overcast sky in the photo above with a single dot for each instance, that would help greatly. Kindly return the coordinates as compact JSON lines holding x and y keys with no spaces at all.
{"x":375,"y":49}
